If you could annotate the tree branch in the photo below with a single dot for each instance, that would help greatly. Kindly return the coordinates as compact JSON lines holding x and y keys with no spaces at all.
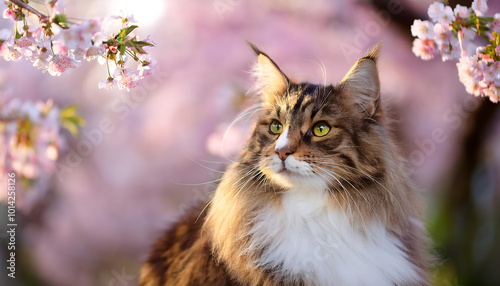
{"x":23,"y":5}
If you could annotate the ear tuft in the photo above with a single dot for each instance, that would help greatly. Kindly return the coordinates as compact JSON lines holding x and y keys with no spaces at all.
{"x":270,"y":81}
{"x":362,"y":83}
{"x":374,"y":53}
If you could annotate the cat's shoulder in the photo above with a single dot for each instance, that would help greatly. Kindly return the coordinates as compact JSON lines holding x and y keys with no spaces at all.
{"x":183,"y":256}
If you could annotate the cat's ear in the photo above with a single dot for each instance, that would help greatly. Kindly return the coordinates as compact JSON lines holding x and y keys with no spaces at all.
{"x":362,"y":83}
{"x":270,"y":81}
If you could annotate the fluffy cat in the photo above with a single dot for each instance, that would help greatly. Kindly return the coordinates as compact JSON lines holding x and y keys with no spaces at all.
{"x":317,"y":197}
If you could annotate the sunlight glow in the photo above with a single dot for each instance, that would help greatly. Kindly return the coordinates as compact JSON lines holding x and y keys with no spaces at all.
{"x":146,"y":12}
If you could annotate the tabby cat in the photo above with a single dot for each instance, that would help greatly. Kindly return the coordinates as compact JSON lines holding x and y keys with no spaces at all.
{"x":317,"y":197}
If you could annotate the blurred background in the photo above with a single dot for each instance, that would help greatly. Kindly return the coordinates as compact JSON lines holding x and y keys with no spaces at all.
{"x":94,"y":224}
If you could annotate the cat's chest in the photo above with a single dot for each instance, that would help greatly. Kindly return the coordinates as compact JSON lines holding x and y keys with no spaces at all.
{"x":305,"y":239}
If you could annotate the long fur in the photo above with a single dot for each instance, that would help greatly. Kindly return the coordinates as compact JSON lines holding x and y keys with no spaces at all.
{"x":332,"y":210}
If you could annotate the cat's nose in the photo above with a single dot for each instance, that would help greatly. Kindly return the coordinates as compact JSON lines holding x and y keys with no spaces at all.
{"x":283,"y":152}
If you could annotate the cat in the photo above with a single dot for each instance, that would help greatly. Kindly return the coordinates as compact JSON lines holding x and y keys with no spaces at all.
{"x":318,"y":196}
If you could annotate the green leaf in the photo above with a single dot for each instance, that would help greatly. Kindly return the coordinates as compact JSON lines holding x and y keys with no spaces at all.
{"x":137,"y":46}
{"x":122,"y":49}
{"x":125,"y":32}
{"x":71,"y":121}
{"x":60,"y":19}
{"x":18,"y":35}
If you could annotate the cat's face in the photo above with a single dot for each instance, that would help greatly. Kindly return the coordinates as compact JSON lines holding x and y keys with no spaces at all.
{"x":315,"y":135}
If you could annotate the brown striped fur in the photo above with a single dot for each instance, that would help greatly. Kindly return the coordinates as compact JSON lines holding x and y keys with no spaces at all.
{"x":217,"y":248}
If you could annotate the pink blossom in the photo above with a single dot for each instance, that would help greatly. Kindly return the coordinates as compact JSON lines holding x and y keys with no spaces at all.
{"x":36,"y":158}
{"x":93,"y":52}
{"x":495,"y":25}
{"x":422,"y":29}
{"x":113,"y":49}
{"x":442,"y":34}
{"x":447,"y":17}
{"x":23,"y":159}
{"x":440,"y":13}
{"x":465,"y":40}
{"x":480,"y":77}
{"x":436,"y":10}
{"x":447,"y":43}
{"x":127,"y":79}
{"x":449,"y":51}
{"x":480,"y":7}
{"x":425,"y":49}
{"x":108,"y":83}
{"x":10,"y":53}
{"x":27,"y":42}
{"x":461,"y":11}
{"x":493,"y":93}
{"x":26,"y":46}
{"x":145,"y":71}
{"x":467,"y":73}
{"x":77,"y":54}
{"x":51,"y":153}
{"x":8,"y":13}
{"x":92,"y":26}
{"x":149,"y":68}
{"x":60,"y":64}
{"x":126,"y":19}
{"x":79,"y":36}
{"x":490,"y":72}
{"x":41,"y":62}
{"x":42,"y":59}
{"x":30,"y":110}
{"x":84,"y":39}
{"x":57,"y":5}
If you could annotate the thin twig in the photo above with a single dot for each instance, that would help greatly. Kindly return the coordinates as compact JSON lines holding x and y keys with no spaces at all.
{"x":23,"y":5}
{"x":44,"y":18}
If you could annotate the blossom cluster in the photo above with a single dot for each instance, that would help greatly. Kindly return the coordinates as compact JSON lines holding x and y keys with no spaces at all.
{"x":465,"y":34}
{"x":30,"y":137}
{"x":57,"y":45}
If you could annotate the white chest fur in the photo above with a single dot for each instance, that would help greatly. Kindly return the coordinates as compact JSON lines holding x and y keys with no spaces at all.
{"x":306,"y":239}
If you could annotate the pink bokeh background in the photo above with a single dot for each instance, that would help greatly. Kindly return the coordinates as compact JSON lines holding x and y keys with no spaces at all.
{"x":170,"y":141}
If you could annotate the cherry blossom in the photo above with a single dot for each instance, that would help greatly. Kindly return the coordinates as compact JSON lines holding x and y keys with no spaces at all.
{"x":495,"y":26}
{"x":436,"y":11}
{"x":453,"y":36}
{"x":148,"y":66}
{"x":127,"y":79}
{"x":108,"y":83}
{"x":425,"y":49}
{"x":125,"y":19}
{"x":461,"y":11}
{"x":30,"y":137}
{"x":60,"y":64}
{"x":422,"y":29}
{"x":447,"y":16}
{"x":93,"y":52}
{"x":480,"y":7}
{"x":60,"y":50}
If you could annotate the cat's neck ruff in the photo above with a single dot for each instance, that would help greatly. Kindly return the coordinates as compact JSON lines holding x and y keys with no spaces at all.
{"x":306,"y":238}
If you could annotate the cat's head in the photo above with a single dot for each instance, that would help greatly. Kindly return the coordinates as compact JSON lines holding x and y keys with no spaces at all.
{"x":309,"y":134}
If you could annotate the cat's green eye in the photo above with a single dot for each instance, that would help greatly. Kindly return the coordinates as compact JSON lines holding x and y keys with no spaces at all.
{"x":320,"y":129}
{"x":276,"y":127}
